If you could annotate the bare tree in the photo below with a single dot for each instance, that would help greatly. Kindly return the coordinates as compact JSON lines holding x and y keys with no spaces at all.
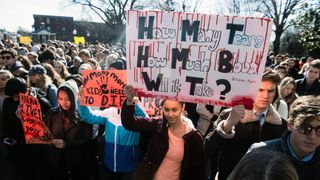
{"x":168,"y":5}
{"x":234,"y":7}
{"x":190,"y":5}
{"x":281,"y":11}
{"x":111,"y":12}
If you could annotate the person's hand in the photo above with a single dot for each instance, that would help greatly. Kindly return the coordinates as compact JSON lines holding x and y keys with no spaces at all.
{"x":58,"y":143}
{"x":19,"y":112}
{"x":236,"y":114}
{"x":80,"y":92}
{"x":130,"y":94}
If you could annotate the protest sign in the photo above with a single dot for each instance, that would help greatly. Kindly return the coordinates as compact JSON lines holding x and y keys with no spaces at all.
{"x":35,"y":130}
{"x":212,"y":59}
{"x":103,"y":88}
{"x":152,"y":106}
{"x":25,"y":39}
{"x":79,"y":40}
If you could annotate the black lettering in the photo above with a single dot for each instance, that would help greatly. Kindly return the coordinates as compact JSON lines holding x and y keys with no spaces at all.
{"x":89,"y":100}
{"x":142,"y":28}
{"x":143,"y":57}
{"x":233,"y":28}
{"x":193,"y":81}
{"x":224,"y":61}
{"x":181,"y":56}
{"x":194,"y":29}
{"x":151,"y":84}
{"x":104,"y":100}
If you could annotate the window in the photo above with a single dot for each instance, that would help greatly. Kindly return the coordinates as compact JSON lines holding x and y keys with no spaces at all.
{"x":63,"y":28}
{"x":48,"y":21}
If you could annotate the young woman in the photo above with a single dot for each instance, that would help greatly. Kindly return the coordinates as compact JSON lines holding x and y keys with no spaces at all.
{"x":175,"y":149}
{"x":61,"y":69}
{"x":287,"y":89}
{"x":39,"y":79}
{"x":51,"y":72}
{"x":71,"y":156}
{"x":121,"y":147}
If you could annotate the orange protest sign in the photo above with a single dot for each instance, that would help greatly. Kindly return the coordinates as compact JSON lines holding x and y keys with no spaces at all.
{"x":152,"y":106}
{"x":103,"y":88}
{"x":35,"y":130}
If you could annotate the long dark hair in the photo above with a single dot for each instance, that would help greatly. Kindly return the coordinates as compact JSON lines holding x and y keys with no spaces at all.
{"x":72,"y":113}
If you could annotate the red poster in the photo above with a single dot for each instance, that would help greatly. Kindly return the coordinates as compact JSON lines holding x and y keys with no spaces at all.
{"x":35,"y":130}
{"x":103,"y":88}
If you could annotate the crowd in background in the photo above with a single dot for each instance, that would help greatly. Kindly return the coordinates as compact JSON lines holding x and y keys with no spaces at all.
{"x":96,"y":143}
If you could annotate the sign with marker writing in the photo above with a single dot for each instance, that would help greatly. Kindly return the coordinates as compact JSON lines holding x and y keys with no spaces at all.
{"x":152,"y":106}
{"x":35,"y":130}
{"x":103,"y":88}
{"x":212,"y":59}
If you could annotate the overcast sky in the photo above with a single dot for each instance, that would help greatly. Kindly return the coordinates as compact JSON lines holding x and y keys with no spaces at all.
{"x":15,"y":13}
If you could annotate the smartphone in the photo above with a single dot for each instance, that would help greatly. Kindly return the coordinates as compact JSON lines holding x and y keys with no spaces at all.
{"x":9,"y":141}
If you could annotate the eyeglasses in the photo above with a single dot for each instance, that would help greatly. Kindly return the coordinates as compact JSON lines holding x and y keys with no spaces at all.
{"x":6,"y":57}
{"x":306,"y":129}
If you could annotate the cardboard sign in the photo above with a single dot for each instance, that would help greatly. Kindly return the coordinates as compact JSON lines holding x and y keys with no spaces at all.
{"x":103,"y":88}
{"x":35,"y":130}
{"x":152,"y":106}
{"x":25,"y":39}
{"x":201,"y":58}
{"x":79,"y":40}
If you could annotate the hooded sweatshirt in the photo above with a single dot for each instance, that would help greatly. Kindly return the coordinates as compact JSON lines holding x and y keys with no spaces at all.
{"x":121,"y":149}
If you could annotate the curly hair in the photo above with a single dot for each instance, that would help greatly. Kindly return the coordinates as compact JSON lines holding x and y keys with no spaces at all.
{"x":304,"y":110}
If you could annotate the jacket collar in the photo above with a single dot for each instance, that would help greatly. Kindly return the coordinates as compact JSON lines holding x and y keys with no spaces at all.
{"x":272,"y":117}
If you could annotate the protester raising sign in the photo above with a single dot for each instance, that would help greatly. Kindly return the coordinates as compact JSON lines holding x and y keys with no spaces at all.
{"x":202,"y":58}
{"x":103,"y":88}
{"x":35,"y":130}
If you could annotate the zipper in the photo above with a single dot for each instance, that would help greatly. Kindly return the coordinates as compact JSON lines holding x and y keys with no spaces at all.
{"x":260,"y":130}
{"x":133,"y":152}
{"x":115,"y":150}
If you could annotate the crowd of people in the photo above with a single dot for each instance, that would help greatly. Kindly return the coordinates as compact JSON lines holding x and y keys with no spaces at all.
{"x":278,"y":139}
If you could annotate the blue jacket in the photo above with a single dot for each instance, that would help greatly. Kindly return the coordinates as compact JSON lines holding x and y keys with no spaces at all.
{"x":121,"y":149}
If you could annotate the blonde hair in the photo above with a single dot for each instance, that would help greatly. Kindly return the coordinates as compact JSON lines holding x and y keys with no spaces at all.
{"x":8,"y":73}
{"x":284,"y":83}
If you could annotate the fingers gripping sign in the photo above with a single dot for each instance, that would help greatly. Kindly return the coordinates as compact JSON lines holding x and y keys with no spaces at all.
{"x":130,"y":94}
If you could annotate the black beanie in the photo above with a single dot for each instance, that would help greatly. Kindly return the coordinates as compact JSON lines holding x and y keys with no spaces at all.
{"x":118,"y":64}
{"x":15,"y":86}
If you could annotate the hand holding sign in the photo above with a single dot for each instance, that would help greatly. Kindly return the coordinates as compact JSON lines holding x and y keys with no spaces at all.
{"x":19,"y":112}
{"x":130,"y":94}
{"x":237,"y":113}
{"x":58,"y":143}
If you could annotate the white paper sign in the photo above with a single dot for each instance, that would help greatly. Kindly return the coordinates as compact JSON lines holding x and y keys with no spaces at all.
{"x":200,"y":58}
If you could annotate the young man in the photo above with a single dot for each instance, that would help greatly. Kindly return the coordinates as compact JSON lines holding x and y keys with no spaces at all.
{"x":302,"y":140}
{"x":310,"y":85}
{"x":9,"y":58}
{"x":237,"y":128}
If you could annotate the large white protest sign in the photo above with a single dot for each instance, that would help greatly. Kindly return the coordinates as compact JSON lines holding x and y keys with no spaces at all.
{"x":211,"y":59}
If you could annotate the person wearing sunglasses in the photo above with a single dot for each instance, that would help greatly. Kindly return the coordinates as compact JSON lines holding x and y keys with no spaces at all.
{"x":302,"y":140}
{"x":10,"y":62}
